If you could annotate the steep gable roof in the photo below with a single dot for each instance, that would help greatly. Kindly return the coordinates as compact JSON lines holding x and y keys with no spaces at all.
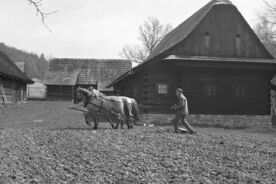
{"x":85,"y":71}
{"x":184,"y":29}
{"x":8,"y":68}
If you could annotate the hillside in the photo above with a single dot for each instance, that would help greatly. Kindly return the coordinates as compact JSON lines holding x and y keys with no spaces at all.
{"x":35,"y":66}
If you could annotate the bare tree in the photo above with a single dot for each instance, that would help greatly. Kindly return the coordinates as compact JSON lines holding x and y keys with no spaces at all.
{"x":150,"y":34}
{"x":39,"y":12}
{"x":266,"y":25}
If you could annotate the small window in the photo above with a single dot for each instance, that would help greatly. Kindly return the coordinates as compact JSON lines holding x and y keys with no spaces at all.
{"x":210,"y":89}
{"x":162,"y":89}
{"x":207,"y":40}
{"x":238,"y":44}
{"x":239,"y":90}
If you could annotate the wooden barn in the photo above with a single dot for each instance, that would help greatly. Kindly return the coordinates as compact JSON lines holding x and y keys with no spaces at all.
{"x":13,"y":81}
{"x":215,"y":57}
{"x":64,"y":75}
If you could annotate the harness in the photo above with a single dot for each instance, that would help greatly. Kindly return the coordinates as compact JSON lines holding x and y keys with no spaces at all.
{"x":100,"y":107}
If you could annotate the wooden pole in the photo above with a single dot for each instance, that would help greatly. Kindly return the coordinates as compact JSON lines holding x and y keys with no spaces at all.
{"x":77,"y":109}
{"x":72,"y":92}
{"x":273,"y":108}
{"x":3,"y":93}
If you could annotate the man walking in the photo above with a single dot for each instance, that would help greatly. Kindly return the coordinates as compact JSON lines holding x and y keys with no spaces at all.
{"x":181,"y":111}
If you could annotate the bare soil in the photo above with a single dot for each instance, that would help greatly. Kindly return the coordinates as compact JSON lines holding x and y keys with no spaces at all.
{"x":43,"y":142}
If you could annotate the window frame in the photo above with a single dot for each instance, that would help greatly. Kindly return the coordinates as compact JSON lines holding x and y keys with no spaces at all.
{"x":238,"y":45}
{"x":157,"y":88}
{"x":207,"y":40}
{"x":237,"y":92}
{"x":209,"y":87}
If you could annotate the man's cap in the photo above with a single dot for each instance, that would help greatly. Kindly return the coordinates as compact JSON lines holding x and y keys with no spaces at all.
{"x":180,"y":90}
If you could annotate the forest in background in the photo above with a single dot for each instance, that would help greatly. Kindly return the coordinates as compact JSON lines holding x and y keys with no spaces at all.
{"x":35,"y":65}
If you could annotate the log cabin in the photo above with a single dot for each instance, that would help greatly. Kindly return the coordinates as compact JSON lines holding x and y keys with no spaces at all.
{"x":64,"y":75}
{"x":13,"y":81}
{"x":215,"y":57}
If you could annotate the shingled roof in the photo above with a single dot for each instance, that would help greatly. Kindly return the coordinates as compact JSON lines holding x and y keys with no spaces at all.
{"x":184,"y":29}
{"x":85,"y":71}
{"x":9,"y":69}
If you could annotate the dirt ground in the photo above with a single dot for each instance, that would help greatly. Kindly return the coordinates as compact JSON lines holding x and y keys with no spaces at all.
{"x":43,"y":142}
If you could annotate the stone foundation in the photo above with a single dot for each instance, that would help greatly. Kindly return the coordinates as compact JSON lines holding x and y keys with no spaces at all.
{"x":223,"y":121}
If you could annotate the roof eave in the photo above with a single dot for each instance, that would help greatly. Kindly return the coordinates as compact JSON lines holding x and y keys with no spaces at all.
{"x":226,"y":59}
{"x":27,"y":80}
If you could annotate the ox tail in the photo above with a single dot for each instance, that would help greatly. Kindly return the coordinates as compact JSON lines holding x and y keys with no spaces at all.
{"x":127,"y":109}
{"x":135,"y":110}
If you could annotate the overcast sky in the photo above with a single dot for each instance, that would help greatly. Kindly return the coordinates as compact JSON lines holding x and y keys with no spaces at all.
{"x":94,"y":28}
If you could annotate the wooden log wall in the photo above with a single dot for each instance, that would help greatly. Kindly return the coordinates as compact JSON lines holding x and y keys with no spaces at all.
{"x":67,"y":92}
{"x":60,"y":92}
{"x":10,"y":91}
{"x":196,"y":82}
{"x":160,"y":74}
{"x":254,"y":101}
{"x":14,"y":91}
{"x":53,"y":91}
{"x":193,"y":81}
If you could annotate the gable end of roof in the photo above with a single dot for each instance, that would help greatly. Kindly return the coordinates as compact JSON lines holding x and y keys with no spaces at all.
{"x":182,"y":31}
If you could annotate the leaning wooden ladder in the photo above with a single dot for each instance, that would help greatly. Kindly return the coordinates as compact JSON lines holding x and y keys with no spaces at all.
{"x":3,"y":94}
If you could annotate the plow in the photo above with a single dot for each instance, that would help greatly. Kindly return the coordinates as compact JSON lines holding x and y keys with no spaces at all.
{"x":103,"y":113}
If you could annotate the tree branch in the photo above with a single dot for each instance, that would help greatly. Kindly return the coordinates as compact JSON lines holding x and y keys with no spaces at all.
{"x":266,"y":25}
{"x":150,"y":34}
{"x":37,"y":5}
